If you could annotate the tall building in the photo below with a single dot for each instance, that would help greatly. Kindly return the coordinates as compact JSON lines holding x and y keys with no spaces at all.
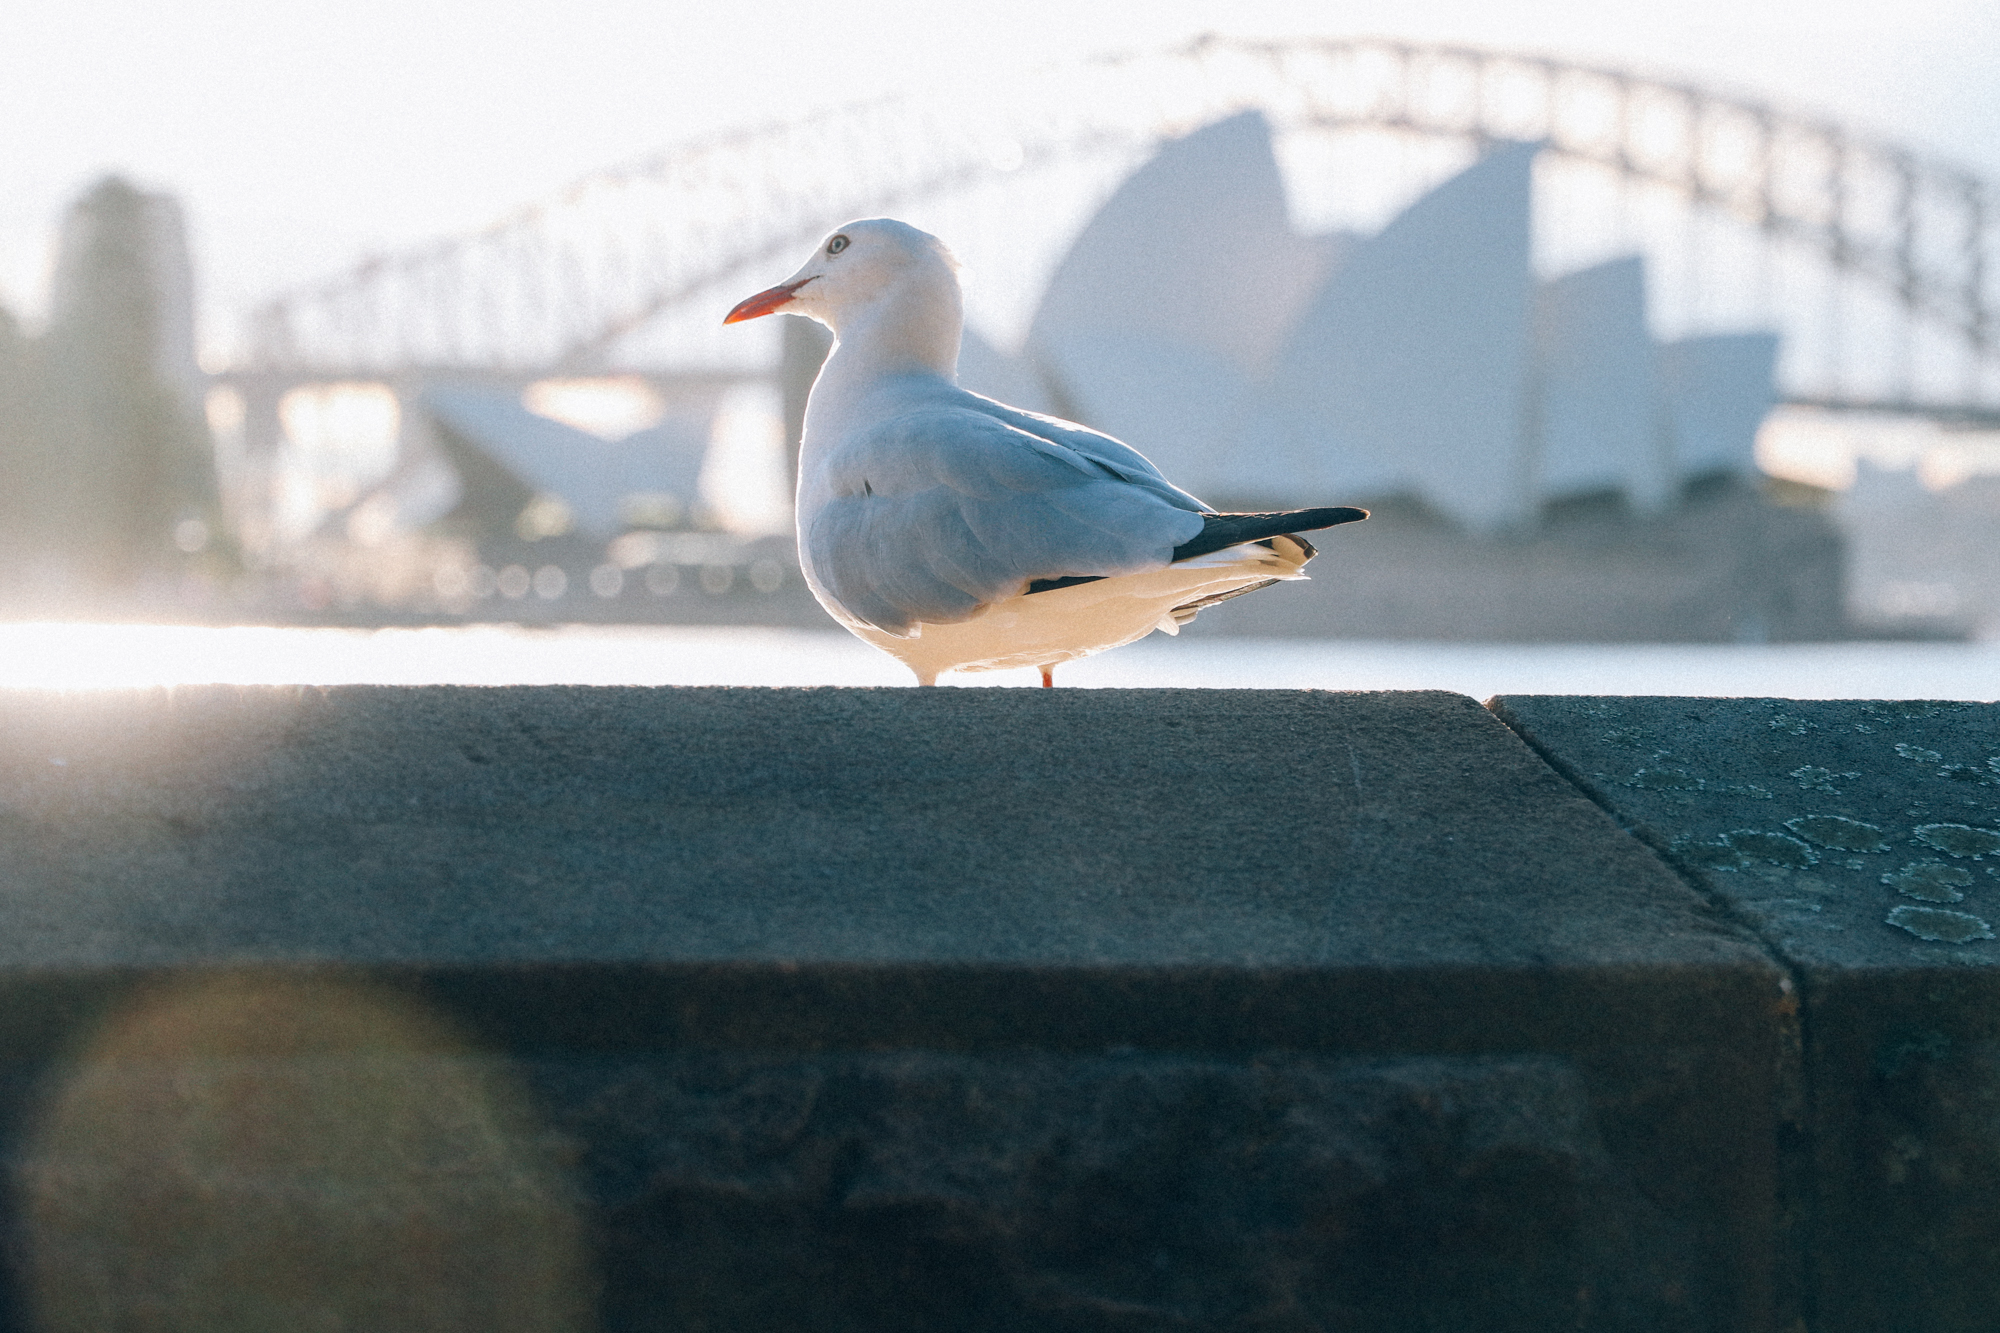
{"x":125,"y":464}
{"x":20,"y":447}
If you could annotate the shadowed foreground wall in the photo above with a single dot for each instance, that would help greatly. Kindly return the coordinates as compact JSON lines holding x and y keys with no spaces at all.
{"x":885,"y":1009}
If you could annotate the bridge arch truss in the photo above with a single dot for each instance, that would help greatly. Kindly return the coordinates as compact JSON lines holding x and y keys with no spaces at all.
{"x":569,"y":284}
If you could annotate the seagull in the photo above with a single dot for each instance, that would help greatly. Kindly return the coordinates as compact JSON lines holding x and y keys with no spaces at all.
{"x":957,"y":533}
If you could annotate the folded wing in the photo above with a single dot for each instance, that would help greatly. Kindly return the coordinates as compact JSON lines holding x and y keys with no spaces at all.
{"x":935,"y":513}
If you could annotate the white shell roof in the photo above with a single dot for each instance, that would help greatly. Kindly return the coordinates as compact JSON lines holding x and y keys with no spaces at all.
{"x":1260,"y":368}
{"x":1596,"y":413}
{"x":1176,"y":404}
{"x":1408,"y":371}
{"x":1717,"y":389}
{"x":592,"y":476}
{"x":1174,"y":300}
{"x":1195,"y":249}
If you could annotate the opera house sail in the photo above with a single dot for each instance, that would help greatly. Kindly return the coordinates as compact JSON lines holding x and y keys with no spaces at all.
{"x":1169,"y":307}
{"x":1408,"y":372}
{"x":1426,"y":369}
{"x":509,"y":458}
{"x":1716,"y":390}
{"x":1597,"y":421}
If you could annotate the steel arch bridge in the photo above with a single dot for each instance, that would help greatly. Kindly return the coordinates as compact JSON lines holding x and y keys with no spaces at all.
{"x":560,"y":286}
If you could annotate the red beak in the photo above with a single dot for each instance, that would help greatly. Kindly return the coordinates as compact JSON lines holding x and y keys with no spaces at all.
{"x":765,"y":302}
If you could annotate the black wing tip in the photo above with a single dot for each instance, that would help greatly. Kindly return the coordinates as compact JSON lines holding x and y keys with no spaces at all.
{"x":1311,"y":520}
{"x":1283,"y":522}
{"x":1220,"y":530}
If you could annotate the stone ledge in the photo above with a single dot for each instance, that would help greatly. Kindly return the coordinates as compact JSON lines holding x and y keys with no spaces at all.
{"x":1299,"y":904}
{"x":1861,"y":841}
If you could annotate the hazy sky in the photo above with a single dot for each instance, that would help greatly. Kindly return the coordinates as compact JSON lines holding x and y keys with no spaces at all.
{"x":300,"y":135}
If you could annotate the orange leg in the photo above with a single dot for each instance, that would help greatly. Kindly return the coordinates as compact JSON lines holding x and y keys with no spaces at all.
{"x":1048,"y":677}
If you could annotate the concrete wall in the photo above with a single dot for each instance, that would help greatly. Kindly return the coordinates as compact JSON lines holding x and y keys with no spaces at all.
{"x":846,"y":1009}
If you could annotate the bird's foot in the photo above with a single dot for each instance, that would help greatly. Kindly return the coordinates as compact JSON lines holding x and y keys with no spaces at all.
{"x":1048,"y":677}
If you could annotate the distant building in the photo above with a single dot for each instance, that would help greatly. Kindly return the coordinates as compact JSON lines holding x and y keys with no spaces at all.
{"x":1922,"y":563}
{"x":125,"y":251}
{"x":1171,"y":305}
{"x":532,"y":477}
{"x":118,"y":481}
{"x":1260,"y":367}
{"x":21,"y":451}
{"x":1541,"y":467}
{"x":1408,"y":373}
{"x":1717,"y":390}
{"x":1596,"y":394}
{"x":1724,"y":565}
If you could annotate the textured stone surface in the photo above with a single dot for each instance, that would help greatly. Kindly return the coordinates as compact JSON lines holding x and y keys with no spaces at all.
{"x":267,"y":1152}
{"x":1126,"y":1191}
{"x":1862,"y":840}
{"x":1853,"y":835}
{"x":950,"y":994}
{"x":393,"y":1189}
{"x":1258,"y":828}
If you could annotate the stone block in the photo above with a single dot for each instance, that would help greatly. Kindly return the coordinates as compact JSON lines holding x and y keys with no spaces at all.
{"x":866,"y":1009}
{"x":1861,"y":841}
{"x":1122,"y":1190}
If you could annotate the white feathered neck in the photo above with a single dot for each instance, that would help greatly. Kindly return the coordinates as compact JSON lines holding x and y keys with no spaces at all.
{"x":907,"y":319}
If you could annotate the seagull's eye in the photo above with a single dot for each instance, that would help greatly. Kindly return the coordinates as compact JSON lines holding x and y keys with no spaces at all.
{"x":835,"y":246}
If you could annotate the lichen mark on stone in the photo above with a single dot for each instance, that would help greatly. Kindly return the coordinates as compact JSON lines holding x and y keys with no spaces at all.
{"x":1743,"y":847}
{"x":1792,"y":725}
{"x":1959,"y":840}
{"x":1632,"y":738}
{"x":1931,"y":881}
{"x":1981,"y":775}
{"x":1798,"y":898}
{"x":1911,"y":710}
{"x":1662,"y":779}
{"x":1839,"y":833}
{"x":1939,"y":925}
{"x":1681,"y":781}
{"x":1811,"y":777}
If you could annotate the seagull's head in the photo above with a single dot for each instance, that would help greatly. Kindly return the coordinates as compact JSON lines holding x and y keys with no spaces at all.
{"x":860,"y":265}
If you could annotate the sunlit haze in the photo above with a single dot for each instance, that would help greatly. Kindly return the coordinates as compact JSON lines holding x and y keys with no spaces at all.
{"x":303,"y":136}
{"x":92,"y":657}
{"x":551,"y":423}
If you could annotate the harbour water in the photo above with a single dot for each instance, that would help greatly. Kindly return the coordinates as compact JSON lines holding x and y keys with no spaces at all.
{"x":98,"y":656}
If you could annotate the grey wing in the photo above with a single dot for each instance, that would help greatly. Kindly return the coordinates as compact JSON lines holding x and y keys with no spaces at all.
{"x":932,"y":515}
{"x":1113,"y":454}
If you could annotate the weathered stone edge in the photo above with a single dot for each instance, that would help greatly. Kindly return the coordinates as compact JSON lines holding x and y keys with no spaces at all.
{"x":1798,"y":1184}
{"x":613,"y":1006}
